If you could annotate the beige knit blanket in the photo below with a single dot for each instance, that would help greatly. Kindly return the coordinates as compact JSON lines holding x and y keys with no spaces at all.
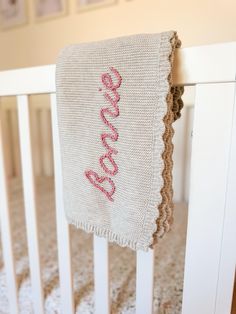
{"x":115,"y":112}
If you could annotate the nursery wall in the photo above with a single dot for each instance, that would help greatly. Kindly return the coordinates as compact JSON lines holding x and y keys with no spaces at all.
{"x":197,"y":22}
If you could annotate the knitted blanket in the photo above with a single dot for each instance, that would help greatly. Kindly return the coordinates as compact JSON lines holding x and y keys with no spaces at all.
{"x":116,"y":106}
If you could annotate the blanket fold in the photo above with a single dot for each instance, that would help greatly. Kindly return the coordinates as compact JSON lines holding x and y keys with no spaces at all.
{"x":116,"y":105}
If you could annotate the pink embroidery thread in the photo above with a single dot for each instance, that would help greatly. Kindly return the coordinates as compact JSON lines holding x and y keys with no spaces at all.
{"x":94,"y":178}
{"x":113,"y":101}
{"x":104,"y":167}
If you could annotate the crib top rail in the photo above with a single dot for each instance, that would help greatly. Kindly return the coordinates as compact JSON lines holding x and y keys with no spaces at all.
{"x":203,"y":64}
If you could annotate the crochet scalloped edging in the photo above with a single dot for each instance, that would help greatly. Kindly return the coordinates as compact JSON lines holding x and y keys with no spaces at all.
{"x":172,"y":97}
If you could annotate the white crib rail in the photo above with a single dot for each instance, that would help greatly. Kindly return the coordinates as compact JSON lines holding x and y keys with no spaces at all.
{"x":200,"y":66}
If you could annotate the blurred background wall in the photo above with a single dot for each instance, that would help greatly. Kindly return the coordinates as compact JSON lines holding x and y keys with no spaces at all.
{"x":197,"y":22}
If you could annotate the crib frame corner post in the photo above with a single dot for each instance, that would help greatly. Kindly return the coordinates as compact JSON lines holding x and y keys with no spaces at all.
{"x":210,"y":259}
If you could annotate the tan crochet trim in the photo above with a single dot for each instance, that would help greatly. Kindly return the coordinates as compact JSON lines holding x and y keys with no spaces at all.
{"x":174,"y":106}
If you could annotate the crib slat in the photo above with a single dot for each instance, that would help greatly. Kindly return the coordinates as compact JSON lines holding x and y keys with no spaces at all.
{"x":211,"y":204}
{"x":6,"y":233}
{"x":101,"y":275}
{"x":144,"y":282}
{"x":228,"y":256}
{"x":30,"y":203}
{"x":63,"y":230}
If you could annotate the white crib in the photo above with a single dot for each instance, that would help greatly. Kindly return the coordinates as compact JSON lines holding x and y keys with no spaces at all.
{"x":210,"y":249}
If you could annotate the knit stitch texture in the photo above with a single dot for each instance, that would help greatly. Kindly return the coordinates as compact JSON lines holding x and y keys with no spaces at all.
{"x":116,"y":105}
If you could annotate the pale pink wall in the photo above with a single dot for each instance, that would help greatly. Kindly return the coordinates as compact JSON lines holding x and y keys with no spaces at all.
{"x":197,"y":22}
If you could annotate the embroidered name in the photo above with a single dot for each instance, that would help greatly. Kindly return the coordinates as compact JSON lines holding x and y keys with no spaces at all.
{"x":112,"y":97}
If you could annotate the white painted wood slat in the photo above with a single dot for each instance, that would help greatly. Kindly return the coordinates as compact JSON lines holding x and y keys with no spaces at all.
{"x":194,"y":65}
{"x":208,"y":205}
{"x":228,"y":254}
{"x":30,"y":203}
{"x":144,"y":281}
{"x":6,"y":233}
{"x":28,"y":81}
{"x":101,"y":275}
{"x":63,"y":228}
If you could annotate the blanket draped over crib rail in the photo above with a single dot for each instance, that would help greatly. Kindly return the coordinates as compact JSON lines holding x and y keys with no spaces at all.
{"x":116,"y":105}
